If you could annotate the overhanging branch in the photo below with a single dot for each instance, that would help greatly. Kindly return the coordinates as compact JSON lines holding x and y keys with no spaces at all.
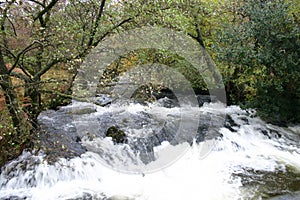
{"x":68,"y":96}
{"x":110,"y":31}
{"x":46,"y":68}
{"x":96,"y":24}
{"x":39,"y":3}
{"x":45,"y":10}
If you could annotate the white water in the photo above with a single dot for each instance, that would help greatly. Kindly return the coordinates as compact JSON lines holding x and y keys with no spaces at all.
{"x":192,"y":177}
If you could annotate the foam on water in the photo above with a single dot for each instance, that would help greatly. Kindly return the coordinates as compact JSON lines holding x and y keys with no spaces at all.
{"x":193,"y":176}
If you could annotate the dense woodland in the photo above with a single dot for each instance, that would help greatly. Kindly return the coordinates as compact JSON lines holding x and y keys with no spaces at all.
{"x":254,"y":43}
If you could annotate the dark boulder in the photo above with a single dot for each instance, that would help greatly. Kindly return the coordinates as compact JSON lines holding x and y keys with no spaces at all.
{"x":151,"y":93}
{"x":117,"y":135}
{"x":206,"y":99}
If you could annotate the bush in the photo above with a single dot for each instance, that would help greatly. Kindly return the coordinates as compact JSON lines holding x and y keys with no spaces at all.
{"x":262,"y":48}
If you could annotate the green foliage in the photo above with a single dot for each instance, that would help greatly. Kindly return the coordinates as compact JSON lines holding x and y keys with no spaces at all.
{"x":149,"y":56}
{"x":10,"y":142}
{"x":262,"y":49}
{"x":39,"y":37}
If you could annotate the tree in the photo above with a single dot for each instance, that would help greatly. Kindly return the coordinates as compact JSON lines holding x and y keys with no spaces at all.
{"x":262,"y":46}
{"x":199,"y":20}
{"x":39,"y":36}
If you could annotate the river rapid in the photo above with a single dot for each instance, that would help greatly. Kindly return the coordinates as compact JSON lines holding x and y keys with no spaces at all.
{"x":232,"y":155}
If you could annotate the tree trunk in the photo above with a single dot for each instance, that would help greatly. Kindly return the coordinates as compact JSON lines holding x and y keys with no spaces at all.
{"x":34,"y":109}
{"x":10,"y":95}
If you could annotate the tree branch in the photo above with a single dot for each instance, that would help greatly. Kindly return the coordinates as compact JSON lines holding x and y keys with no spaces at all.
{"x":20,"y":76}
{"x":17,"y":58}
{"x":13,"y":26}
{"x":110,"y":31}
{"x":45,"y":10}
{"x":51,"y":80}
{"x":96,"y":24}
{"x":198,"y":37}
{"x":46,"y":68}
{"x":39,"y":3}
{"x":73,"y":97}
{"x":2,"y":22}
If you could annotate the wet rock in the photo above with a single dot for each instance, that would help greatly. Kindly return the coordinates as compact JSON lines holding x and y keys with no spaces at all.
{"x":143,"y":95}
{"x":119,"y":197}
{"x":164,"y":93}
{"x":144,"y":98}
{"x":58,"y":135}
{"x":168,"y":103}
{"x":230,"y":124}
{"x":59,"y":144}
{"x":82,"y":111}
{"x":102,"y":99}
{"x":202,"y":131}
{"x":66,"y":131}
{"x":244,"y":119}
{"x":266,"y":133}
{"x":205,"y":99}
{"x":151,"y":93}
{"x":117,"y":135}
{"x":86,"y":196}
{"x":78,"y":139}
{"x":275,"y":133}
{"x":15,"y":198}
{"x":273,"y":184}
{"x":270,"y":133}
{"x":289,"y":196}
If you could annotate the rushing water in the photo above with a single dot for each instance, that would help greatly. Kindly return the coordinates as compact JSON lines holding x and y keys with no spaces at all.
{"x":244,"y":159}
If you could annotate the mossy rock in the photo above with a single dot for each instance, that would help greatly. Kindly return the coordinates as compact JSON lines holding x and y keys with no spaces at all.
{"x":117,"y":135}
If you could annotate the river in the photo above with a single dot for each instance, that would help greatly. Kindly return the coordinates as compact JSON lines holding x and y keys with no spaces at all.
{"x":232,"y":154}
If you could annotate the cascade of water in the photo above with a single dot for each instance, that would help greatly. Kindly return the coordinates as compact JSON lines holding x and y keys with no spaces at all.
{"x":243,"y":159}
